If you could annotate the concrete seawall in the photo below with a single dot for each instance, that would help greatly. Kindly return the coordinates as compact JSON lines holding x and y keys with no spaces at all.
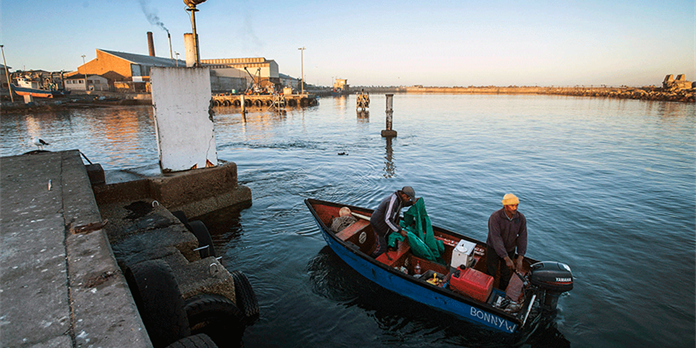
{"x":60,"y":284}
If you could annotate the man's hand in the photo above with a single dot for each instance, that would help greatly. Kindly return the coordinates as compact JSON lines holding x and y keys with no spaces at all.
{"x":403,"y":233}
{"x":518,"y":263}
{"x":508,"y":262}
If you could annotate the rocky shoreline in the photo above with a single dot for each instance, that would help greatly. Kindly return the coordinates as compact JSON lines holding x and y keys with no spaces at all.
{"x":641,"y":93}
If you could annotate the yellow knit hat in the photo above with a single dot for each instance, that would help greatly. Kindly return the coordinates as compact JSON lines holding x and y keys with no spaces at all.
{"x":510,"y":199}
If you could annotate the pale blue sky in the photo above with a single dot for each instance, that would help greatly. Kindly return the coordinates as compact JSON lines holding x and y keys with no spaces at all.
{"x":439,"y":43}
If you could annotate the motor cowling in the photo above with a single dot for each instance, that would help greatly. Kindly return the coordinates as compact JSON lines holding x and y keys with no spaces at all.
{"x":550,"y":275}
{"x":551,"y":279}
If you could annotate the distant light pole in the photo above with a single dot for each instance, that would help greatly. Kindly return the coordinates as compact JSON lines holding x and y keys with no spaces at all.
{"x":7,"y":74}
{"x":177,"y":58}
{"x":302,"y":68}
{"x":85,"y":71}
{"x":192,"y":8}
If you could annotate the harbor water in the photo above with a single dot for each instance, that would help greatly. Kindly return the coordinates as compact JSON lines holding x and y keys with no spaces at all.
{"x":608,"y":187}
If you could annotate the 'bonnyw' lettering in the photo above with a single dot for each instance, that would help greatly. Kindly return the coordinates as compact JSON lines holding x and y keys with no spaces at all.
{"x":493,"y":320}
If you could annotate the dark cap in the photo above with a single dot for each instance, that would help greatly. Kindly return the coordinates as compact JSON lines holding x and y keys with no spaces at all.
{"x":408,"y":190}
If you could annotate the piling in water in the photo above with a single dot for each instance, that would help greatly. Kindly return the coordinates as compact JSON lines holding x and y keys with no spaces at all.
{"x":389,"y":132}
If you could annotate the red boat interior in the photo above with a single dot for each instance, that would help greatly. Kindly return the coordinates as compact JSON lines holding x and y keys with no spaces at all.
{"x":479,"y":284}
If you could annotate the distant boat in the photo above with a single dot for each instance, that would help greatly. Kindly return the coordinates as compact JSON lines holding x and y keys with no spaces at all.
{"x":32,"y":88}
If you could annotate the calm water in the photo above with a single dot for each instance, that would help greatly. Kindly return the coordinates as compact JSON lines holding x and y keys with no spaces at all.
{"x":608,"y":187}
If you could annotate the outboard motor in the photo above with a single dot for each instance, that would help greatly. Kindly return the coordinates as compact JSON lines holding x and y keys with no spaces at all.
{"x":551,"y":280}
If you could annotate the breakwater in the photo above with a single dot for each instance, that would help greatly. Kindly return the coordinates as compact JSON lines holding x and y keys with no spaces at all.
{"x":642,"y":93}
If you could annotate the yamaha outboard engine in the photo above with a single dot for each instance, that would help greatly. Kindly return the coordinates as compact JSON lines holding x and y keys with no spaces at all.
{"x":551,"y":280}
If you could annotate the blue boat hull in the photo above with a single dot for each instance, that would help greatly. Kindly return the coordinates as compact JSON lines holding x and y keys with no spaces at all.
{"x":416,"y":290}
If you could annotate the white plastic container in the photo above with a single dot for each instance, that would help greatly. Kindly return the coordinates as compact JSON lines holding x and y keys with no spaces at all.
{"x":463,"y":254}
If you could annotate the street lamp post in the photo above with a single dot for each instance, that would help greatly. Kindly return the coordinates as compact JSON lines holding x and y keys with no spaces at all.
{"x":192,"y":8}
{"x":302,"y":68}
{"x":7,"y":74}
{"x":85,"y":71}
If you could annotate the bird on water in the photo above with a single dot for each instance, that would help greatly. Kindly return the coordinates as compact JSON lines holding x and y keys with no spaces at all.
{"x":40,"y":143}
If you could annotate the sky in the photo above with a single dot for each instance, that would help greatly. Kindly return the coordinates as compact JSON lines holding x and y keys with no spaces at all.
{"x":378,"y":43}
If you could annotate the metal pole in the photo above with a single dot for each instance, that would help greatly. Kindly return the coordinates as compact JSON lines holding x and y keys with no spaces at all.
{"x":7,"y":74}
{"x":302,"y":68}
{"x":84,"y":67}
{"x":195,"y":36}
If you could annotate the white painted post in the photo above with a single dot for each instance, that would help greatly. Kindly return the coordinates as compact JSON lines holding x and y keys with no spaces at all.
{"x":190,"y":49}
{"x":183,"y":125}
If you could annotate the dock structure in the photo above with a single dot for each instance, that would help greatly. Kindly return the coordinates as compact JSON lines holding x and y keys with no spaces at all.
{"x":60,"y":283}
{"x":86,"y":262}
{"x":264,"y":100}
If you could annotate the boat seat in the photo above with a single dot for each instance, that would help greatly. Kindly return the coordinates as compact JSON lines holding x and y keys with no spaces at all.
{"x":351,"y":230}
{"x":391,"y":258}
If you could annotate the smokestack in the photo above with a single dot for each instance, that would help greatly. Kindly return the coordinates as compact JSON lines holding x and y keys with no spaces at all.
{"x":169,"y":37}
{"x":150,"y":44}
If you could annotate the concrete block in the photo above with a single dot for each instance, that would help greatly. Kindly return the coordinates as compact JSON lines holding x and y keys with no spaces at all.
{"x":212,"y":185}
{"x":206,"y":276}
{"x":181,"y":98}
{"x":96,"y":174}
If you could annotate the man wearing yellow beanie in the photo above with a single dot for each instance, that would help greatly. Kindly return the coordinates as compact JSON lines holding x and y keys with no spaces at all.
{"x":507,"y":231}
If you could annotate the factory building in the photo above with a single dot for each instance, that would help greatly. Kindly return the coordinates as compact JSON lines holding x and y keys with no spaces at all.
{"x":259,"y":73}
{"x":125,"y":71}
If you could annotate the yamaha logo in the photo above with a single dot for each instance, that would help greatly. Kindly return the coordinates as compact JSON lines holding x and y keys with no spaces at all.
{"x":564,"y":279}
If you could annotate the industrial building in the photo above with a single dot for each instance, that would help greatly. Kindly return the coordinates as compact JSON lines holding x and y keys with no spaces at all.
{"x":131,"y":72}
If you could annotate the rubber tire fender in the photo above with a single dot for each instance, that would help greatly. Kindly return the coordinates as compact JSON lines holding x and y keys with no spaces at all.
{"x":205,"y":309}
{"x":195,"y":341}
{"x":246,"y":298}
{"x":159,"y":301}
{"x":201,"y":232}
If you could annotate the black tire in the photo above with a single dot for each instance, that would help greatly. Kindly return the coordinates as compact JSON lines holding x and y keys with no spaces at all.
{"x":159,"y":301}
{"x":195,"y":341}
{"x":201,"y":232}
{"x":206,"y":309}
{"x":246,"y":298}
{"x":182,"y":217}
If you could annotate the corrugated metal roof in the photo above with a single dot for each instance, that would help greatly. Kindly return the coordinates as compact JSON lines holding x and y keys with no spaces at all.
{"x":144,"y":59}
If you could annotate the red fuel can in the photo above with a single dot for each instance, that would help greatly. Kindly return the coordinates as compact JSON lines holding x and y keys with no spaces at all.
{"x":473,"y":283}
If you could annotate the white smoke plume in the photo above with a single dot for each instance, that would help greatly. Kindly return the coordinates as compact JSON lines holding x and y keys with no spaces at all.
{"x":151,"y":14}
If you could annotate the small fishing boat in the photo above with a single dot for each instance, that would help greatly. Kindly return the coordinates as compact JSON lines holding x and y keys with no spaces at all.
{"x":456,"y":283}
{"x":29,"y":87}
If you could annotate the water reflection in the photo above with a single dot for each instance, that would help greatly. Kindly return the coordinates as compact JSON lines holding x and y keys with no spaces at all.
{"x":363,"y":115}
{"x":389,"y":167}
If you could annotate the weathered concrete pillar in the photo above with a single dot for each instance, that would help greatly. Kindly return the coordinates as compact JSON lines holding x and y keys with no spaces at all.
{"x":389,"y":132}
{"x":190,"y":47}
{"x":183,"y":121}
{"x":242,"y":103}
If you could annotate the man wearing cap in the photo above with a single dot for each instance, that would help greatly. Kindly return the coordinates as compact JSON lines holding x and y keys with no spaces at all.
{"x":385,"y":219}
{"x":507,"y":230}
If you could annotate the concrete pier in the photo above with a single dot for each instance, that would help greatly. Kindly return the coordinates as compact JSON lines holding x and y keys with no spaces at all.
{"x":60,"y":285}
